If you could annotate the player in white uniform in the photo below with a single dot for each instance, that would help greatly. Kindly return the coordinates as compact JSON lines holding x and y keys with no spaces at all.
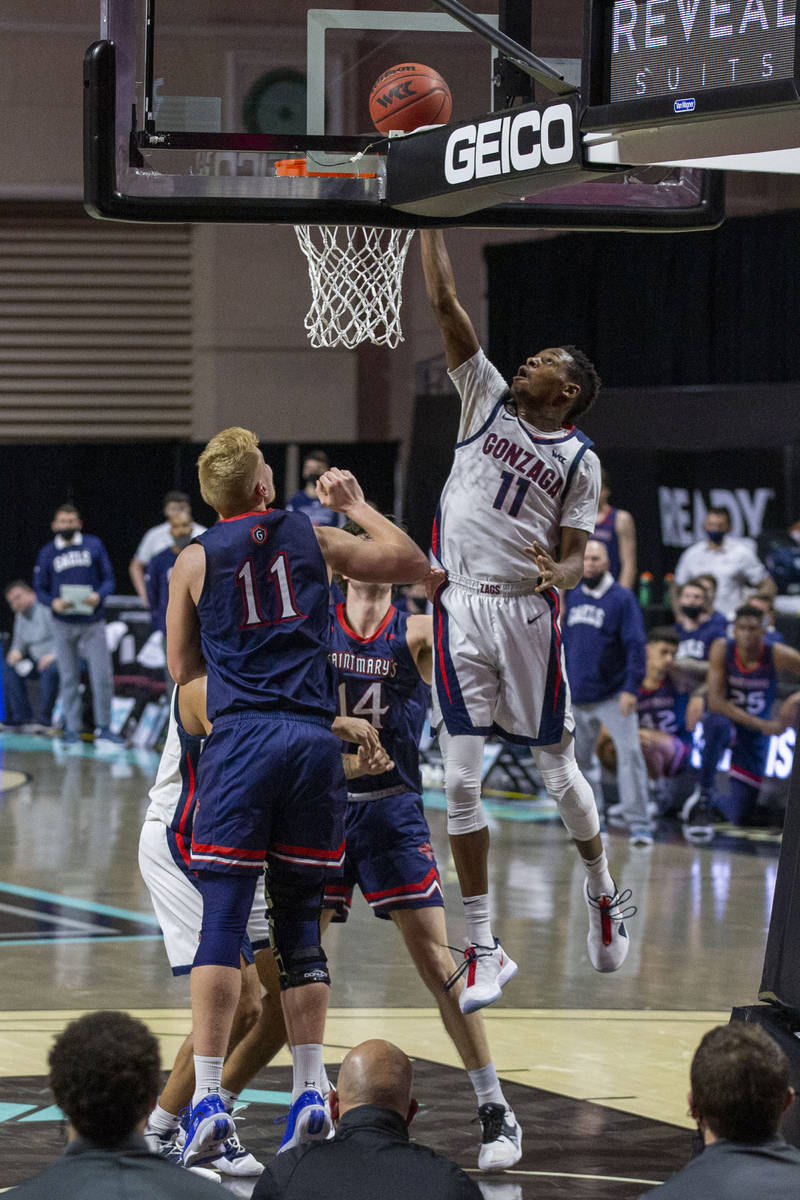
{"x":514,"y":517}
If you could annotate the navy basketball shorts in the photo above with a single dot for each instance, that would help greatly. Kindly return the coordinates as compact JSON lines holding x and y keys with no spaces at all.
{"x":748,"y":756}
{"x":388,"y":854}
{"x":270,"y":785}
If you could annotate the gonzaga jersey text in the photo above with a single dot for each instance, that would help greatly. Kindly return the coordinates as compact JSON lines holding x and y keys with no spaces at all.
{"x":379,"y":681}
{"x":509,"y":485}
{"x":264,"y":616}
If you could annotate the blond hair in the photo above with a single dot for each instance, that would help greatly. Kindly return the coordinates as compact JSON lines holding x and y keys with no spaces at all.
{"x":227,"y":470}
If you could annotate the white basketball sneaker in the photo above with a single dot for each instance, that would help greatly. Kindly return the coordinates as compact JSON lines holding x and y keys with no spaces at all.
{"x":607,"y":939}
{"x":487,"y":970}
{"x":501,"y":1138}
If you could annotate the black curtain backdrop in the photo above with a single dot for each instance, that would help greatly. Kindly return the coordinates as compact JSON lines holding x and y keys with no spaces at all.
{"x":119,"y":488}
{"x":655,"y":309}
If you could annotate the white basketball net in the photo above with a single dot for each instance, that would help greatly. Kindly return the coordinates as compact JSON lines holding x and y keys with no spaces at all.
{"x":356,"y":277}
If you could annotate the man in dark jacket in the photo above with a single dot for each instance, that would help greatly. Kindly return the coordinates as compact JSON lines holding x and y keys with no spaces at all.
{"x":104,"y":1072}
{"x":371,"y":1153}
{"x":740,"y":1091}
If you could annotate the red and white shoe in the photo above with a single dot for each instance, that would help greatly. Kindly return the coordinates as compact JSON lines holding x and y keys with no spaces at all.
{"x":607,"y":940}
{"x":486,"y":969}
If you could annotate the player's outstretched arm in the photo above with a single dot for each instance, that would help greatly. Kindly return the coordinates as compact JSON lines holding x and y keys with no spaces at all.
{"x":786,"y":658}
{"x":419,"y":635}
{"x":184,"y":652}
{"x":388,"y":556}
{"x":458,"y":333}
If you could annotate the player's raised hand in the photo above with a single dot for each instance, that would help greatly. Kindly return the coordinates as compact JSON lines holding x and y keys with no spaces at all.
{"x":339,"y":490}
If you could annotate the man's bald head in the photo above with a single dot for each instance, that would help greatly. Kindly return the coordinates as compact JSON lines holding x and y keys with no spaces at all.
{"x":376,"y":1072}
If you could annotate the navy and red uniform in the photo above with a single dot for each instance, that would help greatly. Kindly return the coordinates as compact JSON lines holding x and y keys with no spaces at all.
{"x":605,"y":532}
{"x":664,"y":709}
{"x":388,"y":845}
{"x":270,"y":777}
{"x":755,"y":690}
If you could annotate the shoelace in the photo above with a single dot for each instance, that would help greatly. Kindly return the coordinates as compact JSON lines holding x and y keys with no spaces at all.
{"x":492,"y":1118}
{"x":612,"y":902}
{"x":471,"y":955}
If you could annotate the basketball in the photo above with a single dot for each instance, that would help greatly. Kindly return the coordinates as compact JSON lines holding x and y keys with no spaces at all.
{"x":407,"y":96}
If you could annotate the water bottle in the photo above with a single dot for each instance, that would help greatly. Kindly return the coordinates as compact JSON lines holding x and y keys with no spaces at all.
{"x":645,"y":588}
{"x":668,"y":580}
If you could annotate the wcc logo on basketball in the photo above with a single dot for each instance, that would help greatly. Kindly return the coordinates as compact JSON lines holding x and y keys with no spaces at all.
{"x":400,"y":91}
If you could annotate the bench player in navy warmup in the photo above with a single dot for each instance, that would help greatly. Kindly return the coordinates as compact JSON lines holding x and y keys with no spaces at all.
{"x":742,"y":689}
{"x":383,"y":661}
{"x":249,"y":604}
{"x":514,"y":517}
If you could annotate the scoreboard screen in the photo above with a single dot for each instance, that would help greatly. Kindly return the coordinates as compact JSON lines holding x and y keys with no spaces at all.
{"x":678,"y":48}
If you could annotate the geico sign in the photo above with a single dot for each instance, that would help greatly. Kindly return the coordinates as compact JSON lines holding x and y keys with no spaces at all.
{"x":503,"y":145}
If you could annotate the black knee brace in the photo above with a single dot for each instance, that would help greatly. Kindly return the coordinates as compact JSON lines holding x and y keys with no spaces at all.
{"x":294,"y":904}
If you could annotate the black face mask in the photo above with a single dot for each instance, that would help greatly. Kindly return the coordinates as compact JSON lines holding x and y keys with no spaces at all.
{"x":715,"y":536}
{"x":312,"y":478}
{"x":691,"y":611}
{"x":591,"y":581}
{"x":67,"y":534}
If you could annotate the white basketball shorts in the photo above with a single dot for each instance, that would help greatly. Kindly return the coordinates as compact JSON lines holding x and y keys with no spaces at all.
{"x":177,"y":901}
{"x":499,"y":662}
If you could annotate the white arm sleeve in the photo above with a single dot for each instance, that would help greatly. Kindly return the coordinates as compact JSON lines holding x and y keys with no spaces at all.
{"x":480,"y":385}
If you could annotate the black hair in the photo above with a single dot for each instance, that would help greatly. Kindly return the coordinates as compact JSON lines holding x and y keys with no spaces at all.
{"x":175,"y":498}
{"x":15,"y":583}
{"x":663,"y":633}
{"x":581,"y":371}
{"x":747,"y":610}
{"x":104,"y":1074}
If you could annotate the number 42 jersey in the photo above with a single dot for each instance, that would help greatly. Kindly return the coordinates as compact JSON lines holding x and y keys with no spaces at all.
{"x":379,"y":682}
{"x":264,"y":616}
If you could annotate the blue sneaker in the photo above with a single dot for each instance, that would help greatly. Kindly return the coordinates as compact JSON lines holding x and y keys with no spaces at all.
{"x":308,"y":1121}
{"x":105,"y":737}
{"x":209,"y":1126}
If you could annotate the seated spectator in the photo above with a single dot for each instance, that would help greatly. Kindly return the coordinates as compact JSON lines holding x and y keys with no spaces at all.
{"x":31,"y":656}
{"x":104,"y":1073}
{"x":159,"y":569}
{"x":739,"y":1092}
{"x":666,"y":718}
{"x":158,"y":538}
{"x":371,"y":1154}
{"x":315,"y":464}
{"x":697,"y":625}
{"x":732,"y":562}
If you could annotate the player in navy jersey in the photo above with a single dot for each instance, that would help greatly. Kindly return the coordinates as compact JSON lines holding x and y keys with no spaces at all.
{"x":249,"y":605}
{"x":742,"y":689}
{"x":159,"y":569}
{"x":383,"y":661}
{"x":615,"y":528}
{"x":511,"y":529}
{"x":667,"y":715}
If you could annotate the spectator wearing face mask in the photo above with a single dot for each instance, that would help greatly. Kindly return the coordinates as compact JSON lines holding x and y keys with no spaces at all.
{"x":73,"y":576}
{"x":731,"y":561}
{"x":160,"y":567}
{"x":315,"y":464}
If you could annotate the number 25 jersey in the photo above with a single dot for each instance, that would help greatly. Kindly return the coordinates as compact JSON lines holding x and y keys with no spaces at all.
{"x":510,"y":484}
{"x":264,"y":616}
